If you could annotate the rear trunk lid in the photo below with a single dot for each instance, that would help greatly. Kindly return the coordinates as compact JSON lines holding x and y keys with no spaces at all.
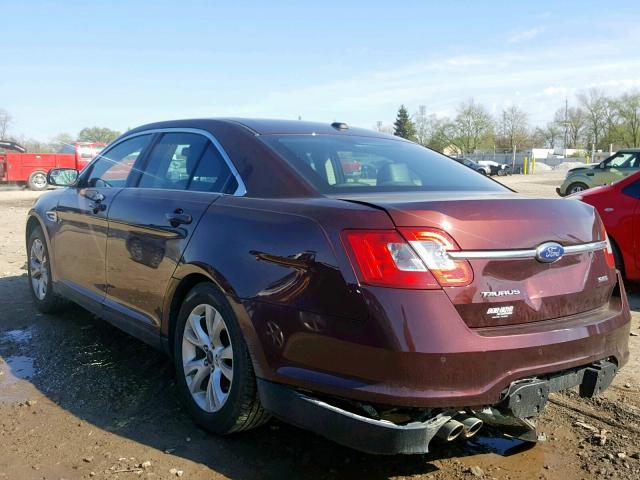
{"x":489,"y":227}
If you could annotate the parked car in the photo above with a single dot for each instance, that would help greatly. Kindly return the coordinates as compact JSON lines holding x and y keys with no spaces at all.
{"x":414,"y":300}
{"x":623,"y":163}
{"x":500,"y":169}
{"x":30,"y":169}
{"x":619,"y":207}
{"x":483,"y":169}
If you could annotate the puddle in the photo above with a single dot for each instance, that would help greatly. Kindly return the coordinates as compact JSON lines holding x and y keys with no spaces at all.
{"x":16,"y":368}
{"x":16,"y":336}
{"x":12,"y":370}
{"x":499,"y":445}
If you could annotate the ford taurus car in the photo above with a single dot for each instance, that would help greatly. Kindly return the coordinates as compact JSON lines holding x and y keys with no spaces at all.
{"x":382,"y":307}
{"x":621,"y":164}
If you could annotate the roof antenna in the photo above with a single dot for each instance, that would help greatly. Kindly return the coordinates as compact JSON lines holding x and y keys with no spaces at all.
{"x":340,"y":126}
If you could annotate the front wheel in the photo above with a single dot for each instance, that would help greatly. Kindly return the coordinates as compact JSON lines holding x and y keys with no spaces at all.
{"x":576,"y":187}
{"x":39,"y":271}
{"x":213,"y":366}
{"x":37,"y":181}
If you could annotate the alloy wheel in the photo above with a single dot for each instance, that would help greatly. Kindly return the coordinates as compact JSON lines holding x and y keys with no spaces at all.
{"x":207,"y":357}
{"x":38,"y":269}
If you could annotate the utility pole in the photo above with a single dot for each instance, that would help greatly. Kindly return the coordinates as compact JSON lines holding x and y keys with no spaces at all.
{"x":566,"y":125}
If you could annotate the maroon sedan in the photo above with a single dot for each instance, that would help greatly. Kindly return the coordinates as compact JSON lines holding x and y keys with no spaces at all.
{"x":382,"y":306}
{"x":619,"y":207}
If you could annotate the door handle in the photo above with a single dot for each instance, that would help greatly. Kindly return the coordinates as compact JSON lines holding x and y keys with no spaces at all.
{"x":178,"y":217}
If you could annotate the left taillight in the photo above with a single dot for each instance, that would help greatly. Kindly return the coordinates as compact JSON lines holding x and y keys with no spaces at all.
{"x":608,"y":251}
{"x":413,"y":258}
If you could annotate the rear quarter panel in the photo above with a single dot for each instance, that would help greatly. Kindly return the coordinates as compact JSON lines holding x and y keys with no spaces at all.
{"x":284,"y":271}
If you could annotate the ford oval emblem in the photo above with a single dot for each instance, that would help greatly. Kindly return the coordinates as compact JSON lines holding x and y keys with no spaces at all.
{"x":549,"y":252}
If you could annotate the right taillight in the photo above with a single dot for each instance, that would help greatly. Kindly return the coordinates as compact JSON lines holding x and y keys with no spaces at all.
{"x":412,"y":258}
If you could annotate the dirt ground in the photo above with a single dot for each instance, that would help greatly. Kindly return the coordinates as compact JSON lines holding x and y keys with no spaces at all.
{"x":80,"y":399}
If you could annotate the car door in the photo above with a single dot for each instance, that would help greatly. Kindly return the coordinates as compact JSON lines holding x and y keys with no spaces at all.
{"x":151,"y":223}
{"x":81,"y":216}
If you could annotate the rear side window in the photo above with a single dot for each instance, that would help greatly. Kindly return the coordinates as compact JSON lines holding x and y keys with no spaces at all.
{"x":350,"y":164}
{"x":186,"y":161}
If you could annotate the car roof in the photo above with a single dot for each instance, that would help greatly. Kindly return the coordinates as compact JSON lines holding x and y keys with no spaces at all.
{"x":263,"y":126}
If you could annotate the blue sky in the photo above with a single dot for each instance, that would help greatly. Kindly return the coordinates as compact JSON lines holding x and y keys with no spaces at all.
{"x":70,"y":64}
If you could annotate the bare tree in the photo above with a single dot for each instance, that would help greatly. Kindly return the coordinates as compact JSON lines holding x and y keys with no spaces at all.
{"x":473,"y":126}
{"x":5,"y":121}
{"x":595,"y":105}
{"x":574,"y":122}
{"x":514,"y":128}
{"x":626,"y":111}
{"x":549,"y":135}
{"x":60,"y":140}
{"x":423,"y":128}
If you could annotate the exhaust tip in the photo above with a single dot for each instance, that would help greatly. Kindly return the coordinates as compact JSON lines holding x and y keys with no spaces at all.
{"x":450,"y":430}
{"x":472,"y":425}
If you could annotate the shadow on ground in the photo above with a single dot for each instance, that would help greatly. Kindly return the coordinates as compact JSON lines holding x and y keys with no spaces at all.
{"x":121,"y":385}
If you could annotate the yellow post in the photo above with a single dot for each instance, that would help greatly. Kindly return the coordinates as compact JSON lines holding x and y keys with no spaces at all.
{"x":525,"y":165}
{"x":533,"y":165}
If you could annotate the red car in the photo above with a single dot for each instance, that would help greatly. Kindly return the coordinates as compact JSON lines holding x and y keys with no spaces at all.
{"x":619,"y":206}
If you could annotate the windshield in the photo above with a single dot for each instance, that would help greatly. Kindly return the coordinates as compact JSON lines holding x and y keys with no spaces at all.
{"x":342,"y":164}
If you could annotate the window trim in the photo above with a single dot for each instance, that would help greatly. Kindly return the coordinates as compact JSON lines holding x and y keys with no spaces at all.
{"x":240,"y":191}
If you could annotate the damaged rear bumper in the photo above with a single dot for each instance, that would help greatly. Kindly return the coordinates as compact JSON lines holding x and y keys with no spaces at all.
{"x":522,"y":401}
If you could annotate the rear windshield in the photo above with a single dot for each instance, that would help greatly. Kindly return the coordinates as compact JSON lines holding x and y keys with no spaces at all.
{"x":349,"y":164}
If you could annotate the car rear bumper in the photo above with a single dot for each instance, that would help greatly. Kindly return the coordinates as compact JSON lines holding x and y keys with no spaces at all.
{"x":436,"y":360}
{"x":521,"y":400}
{"x":559,"y":192}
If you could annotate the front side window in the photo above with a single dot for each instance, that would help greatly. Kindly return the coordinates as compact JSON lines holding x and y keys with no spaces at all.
{"x":351,"y":164}
{"x":186,"y":161}
{"x":621,"y":160}
{"x":111,"y":169}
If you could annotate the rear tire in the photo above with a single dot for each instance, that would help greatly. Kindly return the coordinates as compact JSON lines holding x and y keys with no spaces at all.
{"x":576,"y":187}
{"x":39,"y":272}
{"x":37,"y":181}
{"x":213,"y":368}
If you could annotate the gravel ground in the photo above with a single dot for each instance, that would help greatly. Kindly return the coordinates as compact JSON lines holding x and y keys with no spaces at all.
{"x":80,"y":399}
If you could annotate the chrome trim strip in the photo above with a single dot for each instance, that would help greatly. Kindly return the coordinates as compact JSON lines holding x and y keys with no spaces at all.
{"x":493,"y":254}
{"x":585,"y":247}
{"x":240,"y":191}
{"x":520,"y":254}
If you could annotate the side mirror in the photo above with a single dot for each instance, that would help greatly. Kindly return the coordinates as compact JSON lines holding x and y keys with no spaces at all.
{"x":62,"y":177}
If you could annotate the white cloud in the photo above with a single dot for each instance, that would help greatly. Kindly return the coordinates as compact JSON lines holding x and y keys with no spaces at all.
{"x":526,"y":34}
{"x":553,"y":91}
{"x":618,"y":83}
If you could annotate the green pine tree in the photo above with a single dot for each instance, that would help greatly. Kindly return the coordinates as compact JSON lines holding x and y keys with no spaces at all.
{"x":404,"y":127}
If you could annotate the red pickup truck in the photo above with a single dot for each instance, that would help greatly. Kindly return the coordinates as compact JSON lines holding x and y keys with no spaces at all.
{"x":19,"y":167}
